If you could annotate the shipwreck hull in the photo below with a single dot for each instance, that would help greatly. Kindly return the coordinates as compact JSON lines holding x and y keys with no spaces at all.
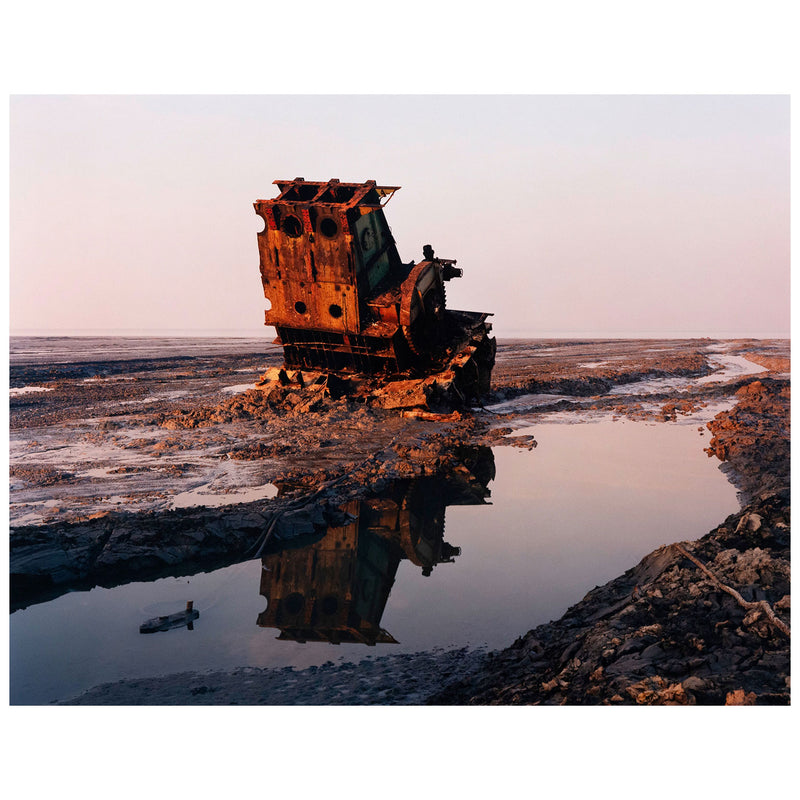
{"x":344,"y":304}
{"x":368,"y":353}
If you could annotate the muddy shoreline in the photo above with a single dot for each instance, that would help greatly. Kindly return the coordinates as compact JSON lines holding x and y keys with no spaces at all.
{"x":661,"y":633}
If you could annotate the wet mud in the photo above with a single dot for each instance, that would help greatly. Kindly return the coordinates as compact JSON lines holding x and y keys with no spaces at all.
{"x":664,"y":633}
{"x":108,"y":463}
{"x":703,"y":623}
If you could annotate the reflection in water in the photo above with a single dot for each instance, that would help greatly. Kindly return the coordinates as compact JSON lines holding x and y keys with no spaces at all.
{"x":335,"y":589}
{"x":588,"y":503}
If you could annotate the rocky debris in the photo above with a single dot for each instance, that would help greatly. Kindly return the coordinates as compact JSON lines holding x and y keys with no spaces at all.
{"x":434,"y":451}
{"x":401,"y":679}
{"x":753,"y":437}
{"x":247,"y":405}
{"x":662,"y":633}
{"x":40,"y":475}
{"x":774,"y":363}
{"x":670,"y":410}
{"x":295,"y":392}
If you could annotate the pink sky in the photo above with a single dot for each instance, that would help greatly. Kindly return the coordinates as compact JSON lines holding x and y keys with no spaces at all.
{"x":594,"y":215}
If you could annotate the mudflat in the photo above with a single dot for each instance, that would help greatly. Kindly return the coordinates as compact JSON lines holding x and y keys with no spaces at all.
{"x":140,"y":459}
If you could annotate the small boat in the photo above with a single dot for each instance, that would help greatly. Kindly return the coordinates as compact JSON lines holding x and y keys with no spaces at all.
{"x":170,"y":621}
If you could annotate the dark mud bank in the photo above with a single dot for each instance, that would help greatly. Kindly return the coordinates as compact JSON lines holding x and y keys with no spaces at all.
{"x":693,"y":623}
{"x":112,"y":549}
{"x":664,"y":632}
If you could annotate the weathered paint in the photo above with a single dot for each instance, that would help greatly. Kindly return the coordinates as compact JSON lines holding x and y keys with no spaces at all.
{"x":341,"y":299}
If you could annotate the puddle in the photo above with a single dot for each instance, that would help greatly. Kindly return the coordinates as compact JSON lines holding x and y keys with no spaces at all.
{"x":425,"y":565}
{"x":719,"y":347}
{"x":28,"y":390}
{"x":652,"y":386}
{"x":732,"y":367}
{"x":241,"y":387}
{"x":138,"y":479}
{"x":694,"y":420}
{"x":99,"y":472}
{"x":525,"y":402}
{"x":154,"y":398}
{"x":206,"y":496}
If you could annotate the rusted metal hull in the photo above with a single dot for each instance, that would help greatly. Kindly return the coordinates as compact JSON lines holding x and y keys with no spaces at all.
{"x":343,"y":303}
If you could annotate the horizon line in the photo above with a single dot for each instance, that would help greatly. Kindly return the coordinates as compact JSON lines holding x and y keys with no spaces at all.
{"x":509,"y":334}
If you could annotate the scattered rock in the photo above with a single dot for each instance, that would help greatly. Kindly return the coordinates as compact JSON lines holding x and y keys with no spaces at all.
{"x":738,"y":697}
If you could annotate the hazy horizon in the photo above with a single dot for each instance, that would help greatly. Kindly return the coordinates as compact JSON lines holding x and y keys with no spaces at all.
{"x":595,"y":215}
{"x":267,"y":335}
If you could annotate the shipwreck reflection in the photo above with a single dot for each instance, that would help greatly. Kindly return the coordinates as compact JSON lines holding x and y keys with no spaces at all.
{"x":335,"y":589}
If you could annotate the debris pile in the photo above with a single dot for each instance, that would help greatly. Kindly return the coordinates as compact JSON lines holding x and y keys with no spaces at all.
{"x":753,"y":437}
{"x":351,"y":316}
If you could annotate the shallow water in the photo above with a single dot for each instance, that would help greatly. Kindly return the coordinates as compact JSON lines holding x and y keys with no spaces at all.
{"x":729,"y":368}
{"x":205,"y":496}
{"x":582,"y":507}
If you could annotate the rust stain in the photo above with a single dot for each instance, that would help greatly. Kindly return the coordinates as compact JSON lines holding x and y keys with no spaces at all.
{"x":343,"y":302}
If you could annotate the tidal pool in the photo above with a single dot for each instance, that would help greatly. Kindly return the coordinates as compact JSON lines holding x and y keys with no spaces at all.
{"x":578,"y":510}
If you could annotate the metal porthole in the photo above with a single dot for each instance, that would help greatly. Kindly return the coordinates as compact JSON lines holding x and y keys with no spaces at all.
{"x":335,"y":311}
{"x":300,"y":307}
{"x":328,"y":227}
{"x":292,"y":227}
{"x":293,"y":604}
{"x":330,"y":605}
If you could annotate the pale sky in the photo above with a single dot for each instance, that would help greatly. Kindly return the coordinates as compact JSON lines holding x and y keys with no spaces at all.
{"x":574,"y":214}
{"x":594,"y":215}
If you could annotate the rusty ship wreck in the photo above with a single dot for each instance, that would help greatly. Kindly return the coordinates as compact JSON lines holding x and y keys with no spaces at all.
{"x":352,"y":318}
